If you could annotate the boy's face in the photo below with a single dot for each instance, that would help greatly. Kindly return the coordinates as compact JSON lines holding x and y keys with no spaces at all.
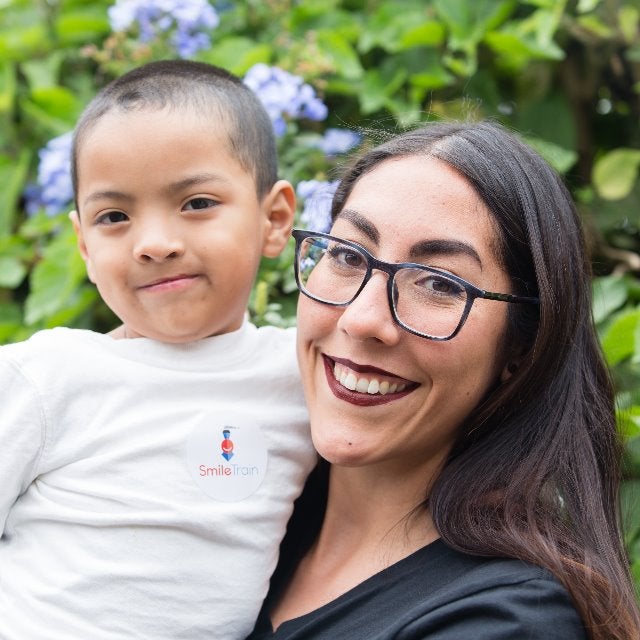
{"x":170,"y":225}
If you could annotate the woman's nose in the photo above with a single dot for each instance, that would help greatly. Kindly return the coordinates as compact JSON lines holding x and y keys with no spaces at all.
{"x":369,"y":315}
{"x":157,"y":242}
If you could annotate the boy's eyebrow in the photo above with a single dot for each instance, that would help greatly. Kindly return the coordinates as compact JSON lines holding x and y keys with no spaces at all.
{"x":192,"y":181}
{"x":107,"y":194}
{"x":172,"y":187}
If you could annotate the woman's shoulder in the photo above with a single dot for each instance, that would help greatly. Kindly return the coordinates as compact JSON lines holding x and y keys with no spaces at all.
{"x":486,"y":597}
{"x":441,"y":594}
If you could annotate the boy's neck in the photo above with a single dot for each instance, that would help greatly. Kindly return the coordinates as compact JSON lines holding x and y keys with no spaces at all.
{"x":119,"y":333}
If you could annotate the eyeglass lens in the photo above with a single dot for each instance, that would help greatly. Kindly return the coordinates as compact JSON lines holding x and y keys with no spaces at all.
{"x":424,"y":300}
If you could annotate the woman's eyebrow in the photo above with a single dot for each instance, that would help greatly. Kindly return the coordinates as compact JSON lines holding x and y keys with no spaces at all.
{"x":443,"y":247}
{"x":361,"y":223}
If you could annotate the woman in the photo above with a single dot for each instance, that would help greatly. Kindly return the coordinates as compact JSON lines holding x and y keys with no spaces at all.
{"x":470,"y":474}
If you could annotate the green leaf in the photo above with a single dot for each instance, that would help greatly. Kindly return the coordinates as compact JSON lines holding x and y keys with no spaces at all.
{"x":42,"y":224}
{"x":628,"y":19}
{"x":395,"y":27}
{"x":468,"y":22}
{"x":429,"y":33}
{"x":20,"y":42}
{"x":12,"y":272}
{"x":629,"y":421}
{"x":516,"y":50}
{"x":55,"y":124}
{"x":609,"y":294}
{"x":558,"y":157}
{"x":80,"y":301}
{"x":81,"y":25}
{"x":13,"y":174}
{"x":237,"y":54}
{"x":622,"y":338}
{"x":594,"y":25}
{"x":377,"y":87}
{"x":43,"y":73}
{"x":57,"y":102}
{"x":341,"y":53}
{"x":630,"y":509}
{"x":584,"y":6}
{"x":55,"y":278}
{"x":7,"y":87}
{"x":615,"y":173}
{"x":433,"y":77}
{"x":549,"y":118}
{"x":10,"y":322}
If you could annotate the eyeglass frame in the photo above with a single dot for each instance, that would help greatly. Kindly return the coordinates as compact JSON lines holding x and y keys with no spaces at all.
{"x":391,"y":269}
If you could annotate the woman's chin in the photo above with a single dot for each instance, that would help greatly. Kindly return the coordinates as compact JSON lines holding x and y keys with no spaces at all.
{"x":341,"y":451}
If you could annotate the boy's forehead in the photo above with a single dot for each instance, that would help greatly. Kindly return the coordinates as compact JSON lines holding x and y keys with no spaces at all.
{"x":136,"y":136}
{"x":153,"y":126}
{"x":213,"y":116}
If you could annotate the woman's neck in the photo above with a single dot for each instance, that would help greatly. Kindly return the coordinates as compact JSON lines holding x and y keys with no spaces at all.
{"x":371,"y":522}
{"x":367,"y":510}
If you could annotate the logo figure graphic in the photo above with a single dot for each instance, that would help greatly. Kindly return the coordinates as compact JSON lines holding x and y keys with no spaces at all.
{"x":227,"y":445}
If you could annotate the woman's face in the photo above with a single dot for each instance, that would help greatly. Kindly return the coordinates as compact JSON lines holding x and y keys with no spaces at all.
{"x":413,"y":209}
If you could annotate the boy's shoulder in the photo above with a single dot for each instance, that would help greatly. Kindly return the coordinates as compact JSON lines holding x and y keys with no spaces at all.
{"x":59,"y":345}
{"x":276,"y":335}
{"x":266,"y":346}
{"x":57,"y":338}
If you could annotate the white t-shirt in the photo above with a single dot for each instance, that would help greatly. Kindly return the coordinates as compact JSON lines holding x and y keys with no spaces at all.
{"x":145,"y":486}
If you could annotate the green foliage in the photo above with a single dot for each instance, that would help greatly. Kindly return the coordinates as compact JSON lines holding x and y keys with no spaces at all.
{"x":564,"y":74}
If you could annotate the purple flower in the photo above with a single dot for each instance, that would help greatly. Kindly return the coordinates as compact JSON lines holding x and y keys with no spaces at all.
{"x":337,"y":141}
{"x":284,"y":94}
{"x":53,"y":191}
{"x":190,"y":20}
{"x":317,"y":196}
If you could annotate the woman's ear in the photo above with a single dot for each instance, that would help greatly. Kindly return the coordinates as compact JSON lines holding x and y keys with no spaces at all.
{"x":509,"y":369}
{"x":280,"y":208}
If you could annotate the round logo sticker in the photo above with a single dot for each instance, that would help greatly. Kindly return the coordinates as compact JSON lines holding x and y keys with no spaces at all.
{"x":227,"y":457}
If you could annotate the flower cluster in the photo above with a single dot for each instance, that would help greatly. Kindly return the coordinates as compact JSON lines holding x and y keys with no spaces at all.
{"x":336,"y":141}
{"x":317,"y":196}
{"x":190,"y":21}
{"x":53,"y":191}
{"x":284,"y":94}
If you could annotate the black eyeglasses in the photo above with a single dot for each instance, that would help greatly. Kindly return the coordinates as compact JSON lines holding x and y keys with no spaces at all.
{"x":425,"y":301}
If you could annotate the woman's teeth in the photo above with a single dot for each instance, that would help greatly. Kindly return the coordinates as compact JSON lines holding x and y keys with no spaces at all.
{"x":349,"y":379}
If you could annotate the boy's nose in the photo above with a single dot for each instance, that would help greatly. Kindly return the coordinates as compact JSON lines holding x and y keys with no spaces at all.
{"x":157,"y":244}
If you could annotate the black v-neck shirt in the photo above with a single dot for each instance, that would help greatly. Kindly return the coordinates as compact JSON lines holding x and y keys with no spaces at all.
{"x":439,"y":594}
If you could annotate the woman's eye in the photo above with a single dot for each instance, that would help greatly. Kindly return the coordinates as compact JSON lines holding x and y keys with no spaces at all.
{"x":112,"y":217}
{"x":200,"y":203}
{"x":347,"y":257}
{"x":441,"y":286}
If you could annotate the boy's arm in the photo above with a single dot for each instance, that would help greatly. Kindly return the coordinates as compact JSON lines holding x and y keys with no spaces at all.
{"x":22,"y":434}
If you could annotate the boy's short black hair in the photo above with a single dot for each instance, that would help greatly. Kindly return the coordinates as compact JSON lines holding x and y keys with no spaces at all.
{"x":210,"y":90}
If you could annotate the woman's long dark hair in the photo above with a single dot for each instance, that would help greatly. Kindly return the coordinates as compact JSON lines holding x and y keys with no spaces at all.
{"x":535,"y":471}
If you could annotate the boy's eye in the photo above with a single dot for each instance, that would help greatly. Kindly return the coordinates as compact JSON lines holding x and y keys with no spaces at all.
{"x":112,"y":217}
{"x":200,"y":203}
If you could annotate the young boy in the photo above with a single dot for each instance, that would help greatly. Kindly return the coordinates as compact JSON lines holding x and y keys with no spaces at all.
{"x":146,"y":476}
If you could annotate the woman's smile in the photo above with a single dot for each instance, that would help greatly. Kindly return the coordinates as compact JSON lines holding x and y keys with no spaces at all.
{"x":364,"y":385}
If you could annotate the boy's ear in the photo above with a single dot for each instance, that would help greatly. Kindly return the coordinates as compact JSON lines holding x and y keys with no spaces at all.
{"x":280,"y":208}
{"x":82,"y":247}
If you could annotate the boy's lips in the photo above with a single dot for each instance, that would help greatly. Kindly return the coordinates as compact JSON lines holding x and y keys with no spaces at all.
{"x":169,"y":283}
{"x":364,"y":385}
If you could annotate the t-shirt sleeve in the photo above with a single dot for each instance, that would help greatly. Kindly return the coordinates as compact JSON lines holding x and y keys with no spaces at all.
{"x":21,"y":435}
{"x":534,"y":609}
